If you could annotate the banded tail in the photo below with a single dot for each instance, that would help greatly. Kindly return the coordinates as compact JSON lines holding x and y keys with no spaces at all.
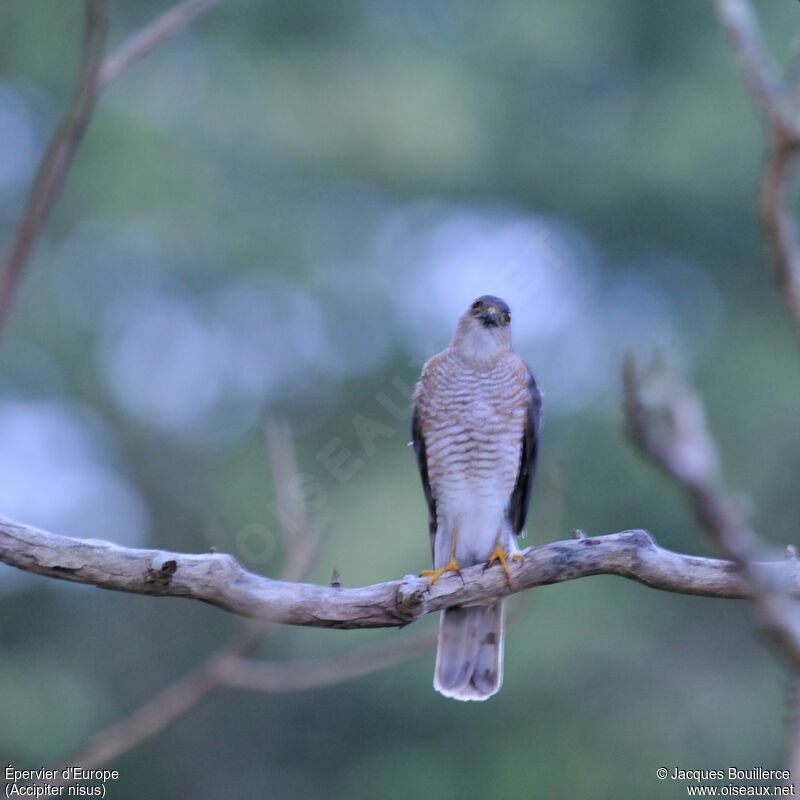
{"x":469,"y":652}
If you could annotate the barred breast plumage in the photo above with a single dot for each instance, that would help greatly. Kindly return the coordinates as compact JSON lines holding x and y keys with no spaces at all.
{"x":473,"y":420}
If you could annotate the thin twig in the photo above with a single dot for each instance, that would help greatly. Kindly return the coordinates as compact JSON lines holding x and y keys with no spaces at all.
{"x":57,"y":158}
{"x":294,"y":676}
{"x":778,"y":104}
{"x":160,"y":711}
{"x":741,"y":26}
{"x":229,"y":669}
{"x":301,"y":538}
{"x":778,"y":220}
{"x":96,"y":74}
{"x":136,"y":47}
{"x":179,"y":698}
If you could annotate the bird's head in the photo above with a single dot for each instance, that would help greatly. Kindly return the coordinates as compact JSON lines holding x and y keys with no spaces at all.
{"x":484,"y":330}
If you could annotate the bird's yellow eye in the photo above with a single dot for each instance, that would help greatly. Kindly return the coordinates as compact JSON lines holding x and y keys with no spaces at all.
{"x":506,"y":317}
{"x":476,"y":306}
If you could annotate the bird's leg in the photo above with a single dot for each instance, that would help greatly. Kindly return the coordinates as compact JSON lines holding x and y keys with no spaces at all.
{"x":433,"y":575}
{"x":498,"y":554}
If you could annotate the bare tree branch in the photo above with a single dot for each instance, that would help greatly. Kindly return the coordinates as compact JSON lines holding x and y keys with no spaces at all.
{"x":96,"y":74}
{"x":779,"y":107}
{"x":231,"y":670}
{"x":156,"y":714}
{"x":778,"y":221}
{"x":294,"y":676}
{"x":162,"y":29}
{"x":760,"y":72}
{"x":178,"y":699}
{"x":57,"y":158}
{"x":301,"y":538}
{"x":219,"y":580}
{"x":665,"y":420}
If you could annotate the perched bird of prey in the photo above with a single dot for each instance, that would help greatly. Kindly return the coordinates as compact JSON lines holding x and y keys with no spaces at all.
{"x":475,"y":431}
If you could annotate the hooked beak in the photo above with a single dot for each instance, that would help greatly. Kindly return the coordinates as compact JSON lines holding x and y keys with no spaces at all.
{"x":490,"y":316}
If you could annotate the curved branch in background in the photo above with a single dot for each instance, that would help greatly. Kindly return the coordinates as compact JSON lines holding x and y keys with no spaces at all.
{"x":742,"y":29}
{"x":301,"y":544}
{"x":231,"y":670}
{"x":777,"y":219}
{"x":275,"y":677}
{"x":96,"y":74}
{"x":57,"y":158}
{"x":783,"y":243}
{"x":781,"y":115}
{"x":665,"y":421}
{"x":219,"y":580}
{"x":160,"y":30}
{"x":161,"y":710}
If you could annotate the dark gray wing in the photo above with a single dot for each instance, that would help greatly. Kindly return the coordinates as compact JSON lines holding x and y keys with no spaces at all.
{"x":418,"y":441}
{"x":521,"y":496}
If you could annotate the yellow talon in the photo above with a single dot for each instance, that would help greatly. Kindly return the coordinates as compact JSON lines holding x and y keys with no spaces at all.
{"x":498,"y":554}
{"x":433,"y":575}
